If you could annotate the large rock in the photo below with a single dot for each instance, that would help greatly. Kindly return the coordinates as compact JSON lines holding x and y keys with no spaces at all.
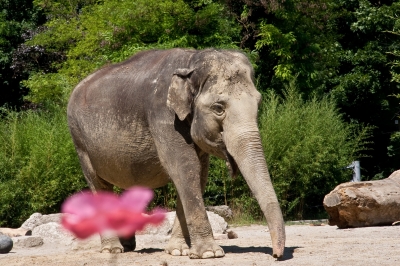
{"x":6,"y":244}
{"x":163,"y":229}
{"x":53,"y":232}
{"x":37,"y":219}
{"x":218,"y":225}
{"x":222,"y":210}
{"x":27,"y":241}
{"x":369,"y":203}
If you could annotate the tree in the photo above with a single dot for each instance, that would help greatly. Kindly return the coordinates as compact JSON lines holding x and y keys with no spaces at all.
{"x":338,"y":48}
{"x":289,"y":39}
{"x":363,"y":85}
{"x":110,"y":31}
{"x":394,"y":144}
{"x":17,"y":18}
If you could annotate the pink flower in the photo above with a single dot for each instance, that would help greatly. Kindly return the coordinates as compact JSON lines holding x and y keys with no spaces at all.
{"x":86,"y":214}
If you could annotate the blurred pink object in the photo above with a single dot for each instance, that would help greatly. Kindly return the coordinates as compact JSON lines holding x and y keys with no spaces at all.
{"x":86,"y":213}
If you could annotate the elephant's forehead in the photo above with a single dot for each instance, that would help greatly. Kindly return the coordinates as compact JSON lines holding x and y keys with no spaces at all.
{"x":230,"y":87}
{"x":230,"y":79}
{"x":228,"y":67}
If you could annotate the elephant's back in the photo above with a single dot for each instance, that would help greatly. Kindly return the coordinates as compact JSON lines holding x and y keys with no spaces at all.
{"x":107,"y":116}
{"x":130,"y":86}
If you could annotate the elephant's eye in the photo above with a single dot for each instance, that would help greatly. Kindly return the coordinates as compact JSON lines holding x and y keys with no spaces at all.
{"x":218,"y":108}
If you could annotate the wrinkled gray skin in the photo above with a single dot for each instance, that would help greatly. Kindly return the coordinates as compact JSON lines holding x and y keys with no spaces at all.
{"x":156,"y":117}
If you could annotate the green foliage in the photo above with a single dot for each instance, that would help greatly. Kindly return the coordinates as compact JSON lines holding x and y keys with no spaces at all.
{"x":280,"y":45}
{"x":346,"y":49}
{"x":38,"y":164}
{"x":307,"y":144}
{"x":363,"y":85}
{"x":292,"y":39}
{"x":165,"y":196}
{"x":113,"y":30}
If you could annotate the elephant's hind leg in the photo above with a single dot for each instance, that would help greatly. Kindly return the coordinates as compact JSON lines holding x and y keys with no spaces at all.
{"x":179,"y":242}
{"x":129,"y":243}
{"x":110,"y":243}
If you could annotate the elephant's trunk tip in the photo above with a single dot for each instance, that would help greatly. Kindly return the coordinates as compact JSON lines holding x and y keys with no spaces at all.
{"x":278,"y":244}
{"x":278,"y":253}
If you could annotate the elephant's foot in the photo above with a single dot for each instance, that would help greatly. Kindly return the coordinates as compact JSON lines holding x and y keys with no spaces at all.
{"x":205,"y":249}
{"x":129,"y":244}
{"x":177,"y":247}
{"x":111,"y":245}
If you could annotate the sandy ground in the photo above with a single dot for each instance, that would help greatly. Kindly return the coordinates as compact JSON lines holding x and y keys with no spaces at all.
{"x":305,"y":245}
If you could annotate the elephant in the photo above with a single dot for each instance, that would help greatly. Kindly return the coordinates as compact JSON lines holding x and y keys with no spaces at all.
{"x":156,"y":118}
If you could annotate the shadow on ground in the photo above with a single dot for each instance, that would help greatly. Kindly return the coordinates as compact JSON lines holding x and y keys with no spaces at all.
{"x":266,"y":250}
{"x":149,"y":250}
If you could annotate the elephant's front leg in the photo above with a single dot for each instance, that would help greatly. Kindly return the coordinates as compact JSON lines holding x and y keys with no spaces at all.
{"x":110,"y":244}
{"x":180,"y":238}
{"x":191,"y":226}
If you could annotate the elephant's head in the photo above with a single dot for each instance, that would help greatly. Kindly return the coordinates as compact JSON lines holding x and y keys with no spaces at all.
{"x":218,"y":96}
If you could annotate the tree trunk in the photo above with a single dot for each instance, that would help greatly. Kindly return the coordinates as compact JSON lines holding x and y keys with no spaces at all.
{"x":369,"y":203}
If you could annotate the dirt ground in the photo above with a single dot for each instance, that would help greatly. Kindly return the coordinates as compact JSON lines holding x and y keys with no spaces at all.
{"x":305,"y":245}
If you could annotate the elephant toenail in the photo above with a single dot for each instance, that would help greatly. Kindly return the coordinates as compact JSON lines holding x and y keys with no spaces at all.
{"x":175,"y":252}
{"x":116,"y":250}
{"x":208,"y":254}
{"x":105,"y":250}
{"x":219,"y":253}
{"x":185,"y":252}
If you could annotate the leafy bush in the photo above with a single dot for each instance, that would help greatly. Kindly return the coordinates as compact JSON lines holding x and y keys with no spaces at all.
{"x":39,"y":167}
{"x":307,"y":145}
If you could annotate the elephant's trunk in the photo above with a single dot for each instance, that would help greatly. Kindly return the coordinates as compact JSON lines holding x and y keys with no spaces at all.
{"x":244,"y":145}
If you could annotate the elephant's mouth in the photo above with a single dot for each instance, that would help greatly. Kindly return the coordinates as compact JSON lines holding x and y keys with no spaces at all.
{"x":231,"y":164}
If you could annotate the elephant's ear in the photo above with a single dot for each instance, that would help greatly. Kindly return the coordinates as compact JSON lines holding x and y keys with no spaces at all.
{"x":179,"y":94}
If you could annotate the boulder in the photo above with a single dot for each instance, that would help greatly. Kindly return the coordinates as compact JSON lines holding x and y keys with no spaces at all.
{"x":163,"y":229}
{"x":53,"y":232}
{"x":6,"y":244}
{"x":37,"y":219}
{"x":368,"y":203}
{"x":222,"y":210}
{"x":218,"y":225}
{"x":27,"y":241}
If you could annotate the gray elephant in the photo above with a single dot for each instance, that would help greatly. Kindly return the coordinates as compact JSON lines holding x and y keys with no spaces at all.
{"x":155,"y":118}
